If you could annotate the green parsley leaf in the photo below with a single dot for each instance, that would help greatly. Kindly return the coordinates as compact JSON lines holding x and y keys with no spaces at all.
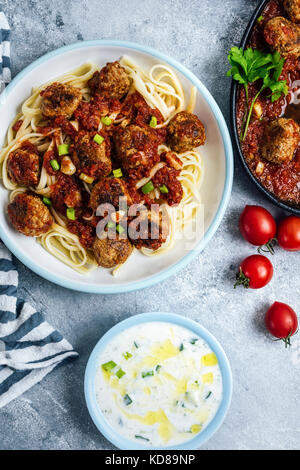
{"x":250,"y":65}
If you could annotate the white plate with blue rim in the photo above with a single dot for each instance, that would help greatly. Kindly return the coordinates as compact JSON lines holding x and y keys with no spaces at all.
{"x":140,"y":271}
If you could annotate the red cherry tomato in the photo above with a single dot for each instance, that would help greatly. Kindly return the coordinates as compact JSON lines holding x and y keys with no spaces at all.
{"x":258,"y":226}
{"x":255,"y":272}
{"x":281,"y":321}
{"x":288,"y":235}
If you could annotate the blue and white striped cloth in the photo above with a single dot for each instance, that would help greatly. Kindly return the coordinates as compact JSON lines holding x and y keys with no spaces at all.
{"x":5,"y":74}
{"x":29,"y":347}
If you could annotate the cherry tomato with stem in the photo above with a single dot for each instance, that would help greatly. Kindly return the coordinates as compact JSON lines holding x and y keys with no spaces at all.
{"x":256,"y":271}
{"x":282,"y":322}
{"x":258,"y":227}
{"x":288,"y":234}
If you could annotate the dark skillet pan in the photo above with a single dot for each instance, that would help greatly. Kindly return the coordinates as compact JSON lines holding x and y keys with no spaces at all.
{"x":233,"y":99}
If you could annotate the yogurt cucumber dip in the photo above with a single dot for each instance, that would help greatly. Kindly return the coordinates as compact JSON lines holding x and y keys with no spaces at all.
{"x":158,"y":383}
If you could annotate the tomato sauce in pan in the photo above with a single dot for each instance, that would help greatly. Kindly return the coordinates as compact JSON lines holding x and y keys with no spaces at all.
{"x":283,"y":180}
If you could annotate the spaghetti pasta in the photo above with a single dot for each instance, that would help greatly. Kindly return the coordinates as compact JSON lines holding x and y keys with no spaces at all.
{"x":162,"y":90}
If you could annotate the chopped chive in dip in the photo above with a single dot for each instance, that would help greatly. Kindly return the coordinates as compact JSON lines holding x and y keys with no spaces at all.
{"x":127,"y":355}
{"x":136,"y":345}
{"x":106,"y":120}
{"x":109,"y":366}
{"x":194,"y":341}
{"x":148,"y":187}
{"x":157,"y":368}
{"x":117,"y":173}
{"x":110,"y":224}
{"x":208,"y":395}
{"x":63,"y":149}
{"x":127,"y":400}
{"x":141,"y":437}
{"x":147,"y":374}
{"x":181,"y":347}
{"x":120,"y":229}
{"x":71,"y":213}
{"x":98,"y":139}
{"x":163,"y":189}
{"x":47,"y":201}
{"x":120,"y":373}
{"x":55,"y":165}
{"x":153,"y":121}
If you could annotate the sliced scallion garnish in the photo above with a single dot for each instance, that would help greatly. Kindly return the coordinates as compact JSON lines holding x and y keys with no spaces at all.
{"x":150,"y":373}
{"x":148,"y":187}
{"x":108,"y":366}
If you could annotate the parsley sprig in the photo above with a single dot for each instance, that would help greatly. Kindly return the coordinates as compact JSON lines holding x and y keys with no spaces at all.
{"x":250,"y":65}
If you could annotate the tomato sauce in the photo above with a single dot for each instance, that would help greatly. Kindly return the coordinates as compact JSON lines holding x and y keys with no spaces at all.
{"x":282,"y":180}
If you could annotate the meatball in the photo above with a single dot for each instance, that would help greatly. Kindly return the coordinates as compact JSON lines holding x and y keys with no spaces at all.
{"x":60,"y":100}
{"x":29,"y":215}
{"x":92,"y":158}
{"x":23,"y":167}
{"x":185,"y":132}
{"x":109,"y":191}
{"x":168,"y":177}
{"x":283,"y":36}
{"x":109,"y":253}
{"x":65,"y":193}
{"x":292,"y":7}
{"x":280,"y":140}
{"x":150,"y":229}
{"x":136,"y":146}
{"x":111,"y":82}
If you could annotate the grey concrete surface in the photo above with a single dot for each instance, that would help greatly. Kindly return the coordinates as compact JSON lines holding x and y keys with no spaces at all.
{"x":265,"y":411}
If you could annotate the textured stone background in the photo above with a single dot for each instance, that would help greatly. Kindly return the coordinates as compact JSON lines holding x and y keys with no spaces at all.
{"x":265,"y":408}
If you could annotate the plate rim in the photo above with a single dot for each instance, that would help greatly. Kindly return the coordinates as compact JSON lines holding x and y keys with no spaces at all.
{"x":229,"y":168}
{"x":89,"y":378}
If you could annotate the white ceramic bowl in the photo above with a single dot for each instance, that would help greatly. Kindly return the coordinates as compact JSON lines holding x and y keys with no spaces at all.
{"x":140,"y":271}
{"x":93,"y":363}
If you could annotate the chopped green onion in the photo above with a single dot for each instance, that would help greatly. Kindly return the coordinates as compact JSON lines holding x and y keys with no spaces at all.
{"x":147,"y":374}
{"x":47,"y":201}
{"x":108,"y":366}
{"x":98,"y":139}
{"x":127,"y":355}
{"x":127,"y":400}
{"x":55,"y":165}
{"x":148,"y":187}
{"x":141,"y":437}
{"x":117,"y":173}
{"x":120,"y":373}
{"x":181,"y":347}
{"x":120,"y":229}
{"x":194,"y":341}
{"x":63,"y":149}
{"x":157,"y":368}
{"x":260,"y":18}
{"x":153,"y":121}
{"x":163,"y":189}
{"x":106,"y":121}
{"x":136,"y":345}
{"x":208,"y":395}
{"x":110,"y":224}
{"x":71,"y":213}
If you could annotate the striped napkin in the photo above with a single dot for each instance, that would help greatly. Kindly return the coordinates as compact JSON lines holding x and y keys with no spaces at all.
{"x":29,"y":347}
{"x":5,"y":75}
